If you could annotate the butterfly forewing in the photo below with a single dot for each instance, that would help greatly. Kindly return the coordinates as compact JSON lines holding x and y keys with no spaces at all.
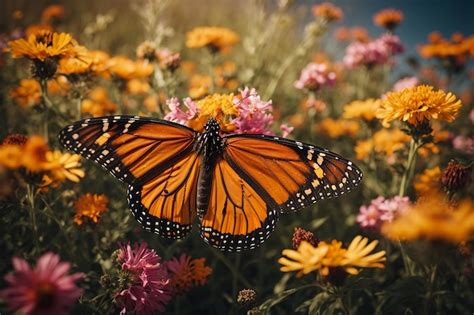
{"x":294,"y":174}
{"x":155,"y":157}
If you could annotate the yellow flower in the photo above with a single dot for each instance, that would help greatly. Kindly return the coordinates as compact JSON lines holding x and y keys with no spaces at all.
{"x":34,"y":154}
{"x":138,"y":87}
{"x":418,"y":104}
{"x":385,"y":142}
{"x":328,"y":11}
{"x":388,"y":18}
{"x":434,"y":219}
{"x":65,"y":166}
{"x":52,"y":13}
{"x":217,"y":38}
{"x":365,"y":109}
{"x":358,"y":255}
{"x":98,"y":103}
{"x":90,"y":206}
{"x":336,"y":128}
{"x":327,"y":256}
{"x":11,"y":156}
{"x":428,"y":181}
{"x":305,"y":259}
{"x":79,"y":64}
{"x":186,"y":273}
{"x":38,"y":28}
{"x":128,"y":69}
{"x":218,"y":106}
{"x":27,"y":93}
{"x":44,"y":45}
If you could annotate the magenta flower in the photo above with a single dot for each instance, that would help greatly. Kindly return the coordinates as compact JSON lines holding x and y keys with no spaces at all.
{"x":176,"y":114}
{"x":314,"y":76}
{"x":148,"y":290}
{"x":381,"y":210}
{"x":46,"y":289}
{"x":254,"y":115}
{"x":405,"y":83}
{"x":376,"y":52}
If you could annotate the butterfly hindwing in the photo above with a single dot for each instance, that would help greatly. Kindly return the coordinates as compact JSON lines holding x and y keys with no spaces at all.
{"x":237,"y":217}
{"x":155,"y":157}
{"x":294,"y":174}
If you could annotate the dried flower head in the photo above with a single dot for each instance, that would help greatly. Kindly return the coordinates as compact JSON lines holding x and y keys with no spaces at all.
{"x":90,"y":206}
{"x":46,"y":289}
{"x":300,"y":235}
{"x":146,"y":50}
{"x":417,"y":105}
{"x":456,"y":176}
{"x":15,"y":139}
{"x":246,"y":296}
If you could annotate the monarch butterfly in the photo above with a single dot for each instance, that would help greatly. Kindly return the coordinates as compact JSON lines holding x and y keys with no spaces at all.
{"x":236,"y":185}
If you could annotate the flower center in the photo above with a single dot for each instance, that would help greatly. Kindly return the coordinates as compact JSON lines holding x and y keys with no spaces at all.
{"x":44,"y":295}
{"x":45,"y":38}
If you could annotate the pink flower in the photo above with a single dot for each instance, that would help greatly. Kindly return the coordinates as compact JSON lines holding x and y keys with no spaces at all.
{"x":254,"y":115}
{"x":405,"y":83}
{"x":176,"y":114}
{"x":464,"y":144}
{"x":381,"y":210}
{"x":46,"y":289}
{"x":378,"y":51}
{"x":314,"y":76}
{"x":286,"y":130}
{"x":148,"y":290}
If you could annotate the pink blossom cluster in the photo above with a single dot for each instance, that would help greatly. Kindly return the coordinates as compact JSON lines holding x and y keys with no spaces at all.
{"x":176,"y":114}
{"x":254,"y":115}
{"x":464,"y":144}
{"x":148,"y":291}
{"x":381,"y":210}
{"x":46,"y":289}
{"x":375,"y":52}
{"x":314,"y":76}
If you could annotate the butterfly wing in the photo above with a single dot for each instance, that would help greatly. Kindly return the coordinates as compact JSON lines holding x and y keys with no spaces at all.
{"x":237,"y":217}
{"x":155,"y":157}
{"x":295,"y":174}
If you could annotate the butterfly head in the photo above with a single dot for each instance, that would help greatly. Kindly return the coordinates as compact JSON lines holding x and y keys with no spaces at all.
{"x":212,"y":127}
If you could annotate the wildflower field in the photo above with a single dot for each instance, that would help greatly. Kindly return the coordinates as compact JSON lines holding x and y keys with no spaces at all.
{"x":367,"y":209}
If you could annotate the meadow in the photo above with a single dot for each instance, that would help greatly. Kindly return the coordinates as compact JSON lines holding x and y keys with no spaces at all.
{"x":401,"y":242}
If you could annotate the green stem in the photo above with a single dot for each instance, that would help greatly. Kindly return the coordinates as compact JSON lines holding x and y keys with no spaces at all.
{"x":409,"y":170}
{"x":235,"y":272}
{"x":429,"y":293}
{"x":47,"y":105}
{"x":32,"y":211}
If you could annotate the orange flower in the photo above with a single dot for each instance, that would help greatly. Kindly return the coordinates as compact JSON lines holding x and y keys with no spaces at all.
{"x":360,"y":34}
{"x":217,"y":38}
{"x":98,"y":103}
{"x":187,"y":272}
{"x":328,"y":11}
{"x":128,"y":69}
{"x":433,"y":218}
{"x":218,"y":106}
{"x":90,"y":206}
{"x":34,"y":154}
{"x":388,"y":18}
{"x":385,"y":142}
{"x":38,"y":28}
{"x":362,"y":109}
{"x":137,"y":86}
{"x":52,"y":13}
{"x":44,"y":45}
{"x":199,"y":85}
{"x":27,"y":93}
{"x":428,"y":181}
{"x":335,"y":128}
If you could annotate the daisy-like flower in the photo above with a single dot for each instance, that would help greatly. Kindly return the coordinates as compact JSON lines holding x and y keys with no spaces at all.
{"x":328,"y":257}
{"x":35,"y":153}
{"x":186,"y":273}
{"x":428,"y":181}
{"x":381,"y":210}
{"x":361,"y":109}
{"x":27,"y":93}
{"x":64,"y":166}
{"x":218,"y":106}
{"x":315,"y":76}
{"x":44,"y":45}
{"x":146,"y":290}
{"x":253,"y":115}
{"x":385,"y":142}
{"x":127,"y":69}
{"x":336,"y":128}
{"x":90,"y":206}
{"x":417,"y":105}
{"x":433,"y":218}
{"x":46,"y":289}
{"x":216,"y":38}
{"x":328,"y":11}
{"x":98,"y":103}
{"x":388,"y":18}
